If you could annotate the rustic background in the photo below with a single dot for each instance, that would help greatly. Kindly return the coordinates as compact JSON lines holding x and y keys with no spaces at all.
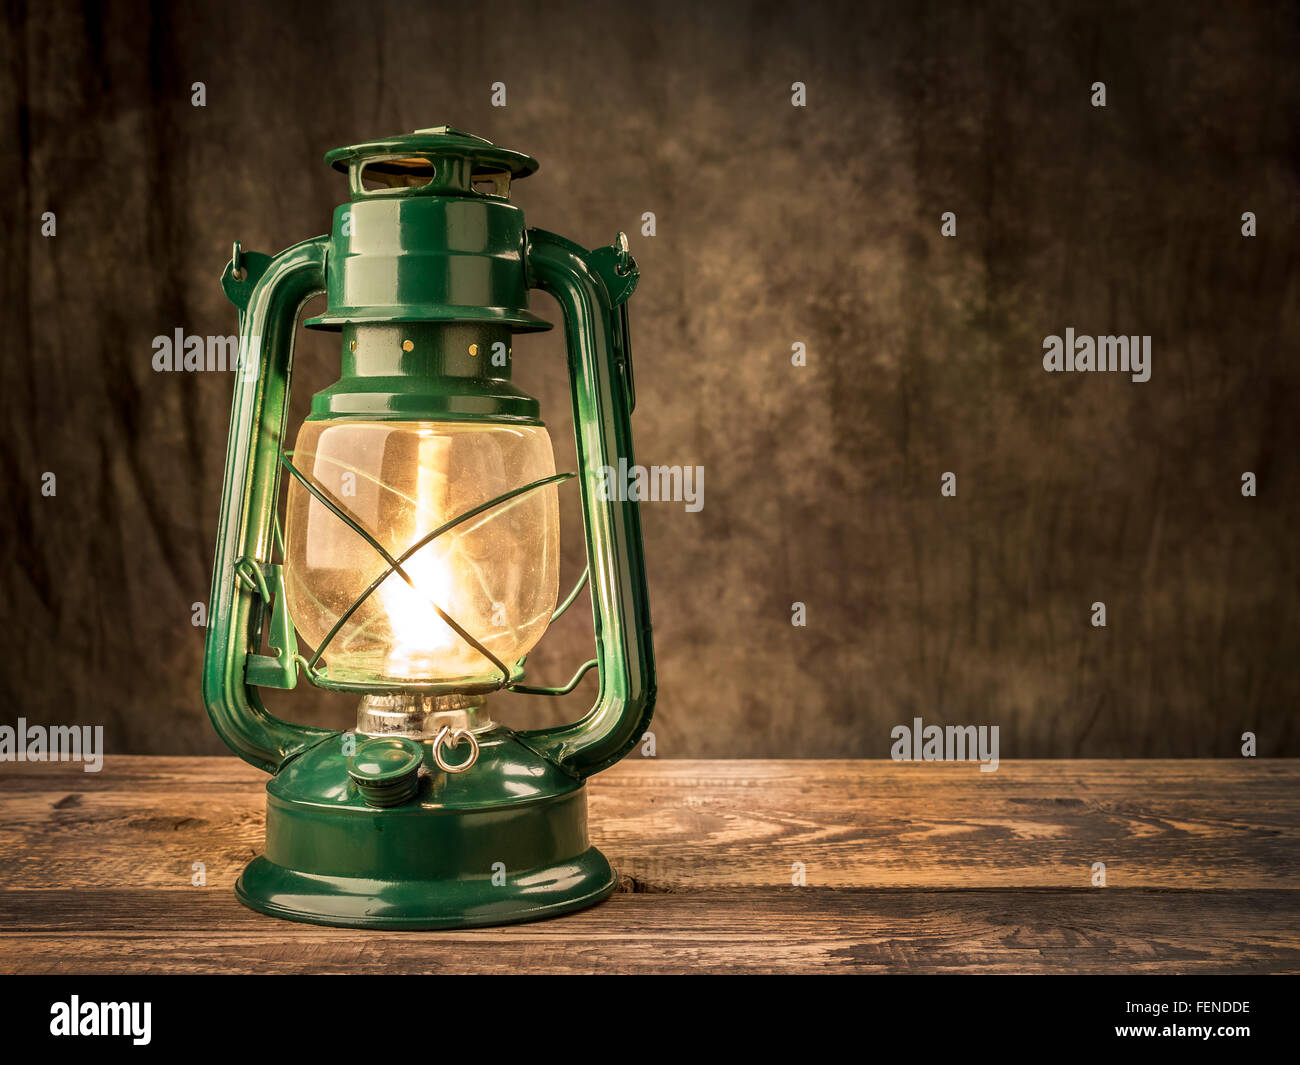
{"x":775,"y":225}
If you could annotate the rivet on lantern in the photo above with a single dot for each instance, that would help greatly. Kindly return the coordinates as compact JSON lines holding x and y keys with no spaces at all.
{"x":422,"y":498}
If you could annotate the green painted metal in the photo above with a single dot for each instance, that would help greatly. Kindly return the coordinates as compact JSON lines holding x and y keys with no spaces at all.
{"x":404,"y":904}
{"x":599,"y":373}
{"x":466,"y":850}
{"x":573,"y":595}
{"x":460,"y":256}
{"x":279,"y":670}
{"x":532,"y":689}
{"x":427,"y":371}
{"x":270,"y":296}
{"x":417,"y":275}
{"x":449,"y":155}
{"x":386,"y":770}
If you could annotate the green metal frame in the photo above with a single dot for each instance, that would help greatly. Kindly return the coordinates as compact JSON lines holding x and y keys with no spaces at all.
{"x":328,"y":850}
{"x":270,"y":295}
{"x":589,"y":286}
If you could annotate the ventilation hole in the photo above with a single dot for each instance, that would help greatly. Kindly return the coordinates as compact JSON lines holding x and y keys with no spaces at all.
{"x":410,"y":173}
{"x":493,"y":183}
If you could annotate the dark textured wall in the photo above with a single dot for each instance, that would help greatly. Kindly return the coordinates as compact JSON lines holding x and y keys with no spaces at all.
{"x":776,"y":225}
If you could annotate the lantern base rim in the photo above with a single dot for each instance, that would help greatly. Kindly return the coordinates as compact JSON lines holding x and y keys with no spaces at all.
{"x":354,"y":902}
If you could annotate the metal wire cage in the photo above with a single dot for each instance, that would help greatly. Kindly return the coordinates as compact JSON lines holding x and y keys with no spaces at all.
{"x":267,"y":580}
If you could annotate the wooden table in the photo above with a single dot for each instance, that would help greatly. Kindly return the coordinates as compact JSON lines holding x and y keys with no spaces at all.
{"x":910,"y":868}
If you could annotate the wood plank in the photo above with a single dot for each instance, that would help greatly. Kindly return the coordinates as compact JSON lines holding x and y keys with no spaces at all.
{"x":689,"y":825}
{"x":912,"y":868}
{"x":755,"y":931}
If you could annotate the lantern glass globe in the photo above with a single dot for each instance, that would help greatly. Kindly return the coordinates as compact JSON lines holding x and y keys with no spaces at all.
{"x":496,"y":574}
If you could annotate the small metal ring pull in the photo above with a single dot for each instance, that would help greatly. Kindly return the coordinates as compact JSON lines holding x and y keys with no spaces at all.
{"x":451,"y":738}
{"x":237,"y":262}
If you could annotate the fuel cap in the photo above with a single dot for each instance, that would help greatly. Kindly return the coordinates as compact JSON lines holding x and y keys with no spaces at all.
{"x":386,"y":770}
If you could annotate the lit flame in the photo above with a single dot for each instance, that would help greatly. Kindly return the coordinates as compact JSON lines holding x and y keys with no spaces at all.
{"x":423,"y":644}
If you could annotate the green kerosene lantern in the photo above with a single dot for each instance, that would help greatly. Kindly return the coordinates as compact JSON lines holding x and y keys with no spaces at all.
{"x":418,"y":563}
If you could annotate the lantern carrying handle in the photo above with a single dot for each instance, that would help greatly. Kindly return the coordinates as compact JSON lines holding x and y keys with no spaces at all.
{"x":592,"y":288}
{"x":269,"y":293}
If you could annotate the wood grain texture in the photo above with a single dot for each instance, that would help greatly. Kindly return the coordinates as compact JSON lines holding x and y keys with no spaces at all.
{"x":916,"y":868}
